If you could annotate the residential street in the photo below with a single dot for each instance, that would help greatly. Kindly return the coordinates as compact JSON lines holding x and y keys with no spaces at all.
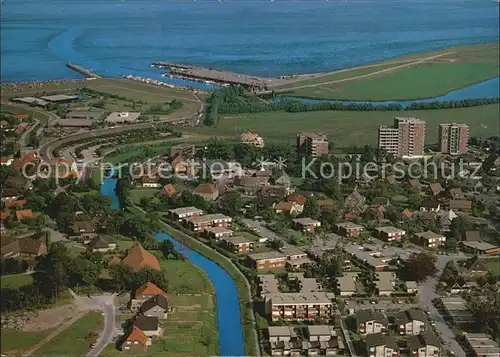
{"x":427,"y":292}
{"x":106,"y":335}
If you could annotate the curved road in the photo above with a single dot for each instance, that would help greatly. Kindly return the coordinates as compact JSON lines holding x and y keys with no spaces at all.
{"x":107,"y":334}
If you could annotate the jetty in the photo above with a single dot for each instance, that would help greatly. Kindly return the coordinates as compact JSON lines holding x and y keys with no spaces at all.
{"x":214,"y":76}
{"x":82,"y":70}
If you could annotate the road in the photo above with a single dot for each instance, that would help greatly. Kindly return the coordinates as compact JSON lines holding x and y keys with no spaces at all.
{"x":421,"y":60}
{"x":25,"y":136}
{"x":427,"y":292}
{"x":106,"y":335}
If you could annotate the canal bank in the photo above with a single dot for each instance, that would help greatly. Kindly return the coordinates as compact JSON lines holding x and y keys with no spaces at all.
{"x":235,"y":319}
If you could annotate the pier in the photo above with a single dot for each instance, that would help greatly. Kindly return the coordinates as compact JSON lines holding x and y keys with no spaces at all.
{"x":214,"y":76}
{"x":83,"y":71}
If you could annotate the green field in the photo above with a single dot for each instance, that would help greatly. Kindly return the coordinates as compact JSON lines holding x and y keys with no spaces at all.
{"x":407,"y":77}
{"x":348,"y":128}
{"x":15,"y":281}
{"x":137,"y":193}
{"x":14,"y":342}
{"x":493,"y":265}
{"x":183,"y":277}
{"x":72,"y":341}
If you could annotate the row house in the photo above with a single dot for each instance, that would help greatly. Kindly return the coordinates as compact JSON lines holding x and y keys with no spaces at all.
{"x":481,"y":344}
{"x":424,"y":345}
{"x":217,"y":233}
{"x":346,"y":285}
{"x":298,"y":306}
{"x":199,"y":223}
{"x":306,"y":225}
{"x":411,"y":322}
{"x":380,"y":345}
{"x":430,"y":239}
{"x":371,"y":322}
{"x":178,"y":214}
{"x":144,"y":293}
{"x":312,"y":340}
{"x":348,"y":229}
{"x":267,"y":260}
{"x":237,"y":244}
{"x":390,"y":233}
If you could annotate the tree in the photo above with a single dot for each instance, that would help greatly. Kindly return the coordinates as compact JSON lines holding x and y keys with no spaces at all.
{"x":275,"y":244}
{"x":311,"y":208}
{"x":83,"y":272}
{"x":231,"y":203}
{"x":418,"y":267}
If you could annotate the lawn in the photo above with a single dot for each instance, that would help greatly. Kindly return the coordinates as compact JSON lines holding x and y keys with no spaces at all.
{"x":184,"y":277}
{"x":139,"y":151}
{"x":15,"y":342}
{"x":347,"y":128}
{"x":137,"y":193}
{"x":72,"y":341}
{"x":457,"y":67}
{"x":15,"y":281}
{"x":493,"y":265}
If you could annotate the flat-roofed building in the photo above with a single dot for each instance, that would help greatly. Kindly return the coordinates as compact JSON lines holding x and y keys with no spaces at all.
{"x":312,"y":144}
{"x":32,"y":101}
{"x":299,"y":306}
{"x":73,"y":123}
{"x":84,"y":114}
{"x":217,"y":233}
{"x":122,"y":118}
{"x":430,"y":239}
{"x":389,"y":233}
{"x":348,"y":229}
{"x":481,"y":345}
{"x":405,"y":138}
{"x":61,"y":98}
{"x":361,"y":257}
{"x":199,"y":223}
{"x":385,"y":283}
{"x":268,"y":284}
{"x":453,"y":138}
{"x":267,"y":260}
{"x":306,"y":225}
{"x":237,"y":244}
{"x":346,"y":285}
{"x":184,"y":212}
{"x":457,"y":309}
{"x":480,"y":247}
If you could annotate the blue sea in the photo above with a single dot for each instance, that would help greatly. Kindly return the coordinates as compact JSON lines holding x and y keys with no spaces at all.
{"x":115,"y":37}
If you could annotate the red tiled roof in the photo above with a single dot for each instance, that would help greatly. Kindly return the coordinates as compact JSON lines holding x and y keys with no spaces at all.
{"x":3,"y":215}
{"x":138,"y":335}
{"x":139,"y":258}
{"x":149,"y":289}
{"x":299,"y":199}
{"x":15,"y":203}
{"x":29,"y":156}
{"x":169,"y":190}
{"x":22,"y":214}
{"x":206,"y":188}
{"x":22,"y":116}
{"x":406,"y":213}
{"x":284,"y":206}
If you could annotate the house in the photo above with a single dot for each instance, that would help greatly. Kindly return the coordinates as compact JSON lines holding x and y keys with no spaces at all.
{"x":414,"y":184}
{"x":139,"y":258}
{"x":491,"y":162}
{"x":273,"y":191}
{"x":354,"y":199}
{"x":389,"y":233}
{"x":411,"y":287}
{"x":135,"y":341}
{"x":291,"y":208}
{"x":217,"y":232}
{"x":480,"y":247}
{"x":306,"y":225}
{"x":406,"y":213}
{"x":411,"y":322}
{"x":148,"y":324}
{"x":181,"y":213}
{"x":199,"y":223}
{"x":5,"y":160}
{"x":435,"y":189}
{"x":381,"y":201}
{"x":267,"y":260}
{"x":122,"y":118}
{"x":237,"y":244}
{"x":207,"y":191}
{"x":101,"y":244}
{"x":371,"y":322}
{"x":280,"y":338}
{"x":326,"y":205}
{"x":298,"y":306}
{"x":263,"y":176}
{"x":85,"y":229}
{"x":280,"y":178}
{"x":157,"y":306}
{"x":179,"y":164}
{"x":296,"y":198}
{"x":475,"y":266}
{"x":249,"y":184}
{"x":322,"y":339}
{"x":24,"y":214}
{"x":23,"y":247}
{"x":15,"y":204}
{"x":456,"y":193}
{"x":430,"y":205}
{"x":4,"y":215}
{"x":144,"y":293}
{"x":150,"y":181}
{"x":169,"y":190}
{"x":253,"y":139}
{"x":186,"y":150}
{"x":380,"y":345}
{"x":460,"y":205}
{"x":348,"y":229}
{"x":424,"y":345}
{"x":346,"y":285}
{"x":430,"y":239}
{"x":384,"y":285}
{"x":445,"y":218}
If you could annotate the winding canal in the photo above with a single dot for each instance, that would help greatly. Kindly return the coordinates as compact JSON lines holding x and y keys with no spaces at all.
{"x":226,"y":294}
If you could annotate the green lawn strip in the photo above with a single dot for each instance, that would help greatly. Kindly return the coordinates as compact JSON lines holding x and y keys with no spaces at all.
{"x":15,"y":281}
{"x":493,"y":265}
{"x":72,"y":341}
{"x":184,"y":277}
{"x":137,"y":193}
{"x":13,"y":340}
{"x":346,"y":128}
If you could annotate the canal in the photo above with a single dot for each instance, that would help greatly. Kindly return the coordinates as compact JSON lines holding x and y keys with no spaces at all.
{"x":231,"y":341}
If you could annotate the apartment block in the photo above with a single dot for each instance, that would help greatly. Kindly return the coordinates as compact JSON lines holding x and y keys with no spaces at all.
{"x":199,"y":223}
{"x":237,"y":244}
{"x":390,"y":233}
{"x":405,"y":138}
{"x":430,"y":239}
{"x":348,"y":229}
{"x":453,"y":138}
{"x":267,"y":261}
{"x":311,"y":144}
{"x":299,"y":306}
{"x":184,"y":212}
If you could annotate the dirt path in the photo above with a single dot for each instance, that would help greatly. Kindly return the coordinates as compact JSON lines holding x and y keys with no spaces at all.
{"x":386,"y":70}
{"x":54,"y":333}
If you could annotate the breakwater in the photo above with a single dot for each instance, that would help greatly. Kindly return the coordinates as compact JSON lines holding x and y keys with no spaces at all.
{"x":82,"y":70}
